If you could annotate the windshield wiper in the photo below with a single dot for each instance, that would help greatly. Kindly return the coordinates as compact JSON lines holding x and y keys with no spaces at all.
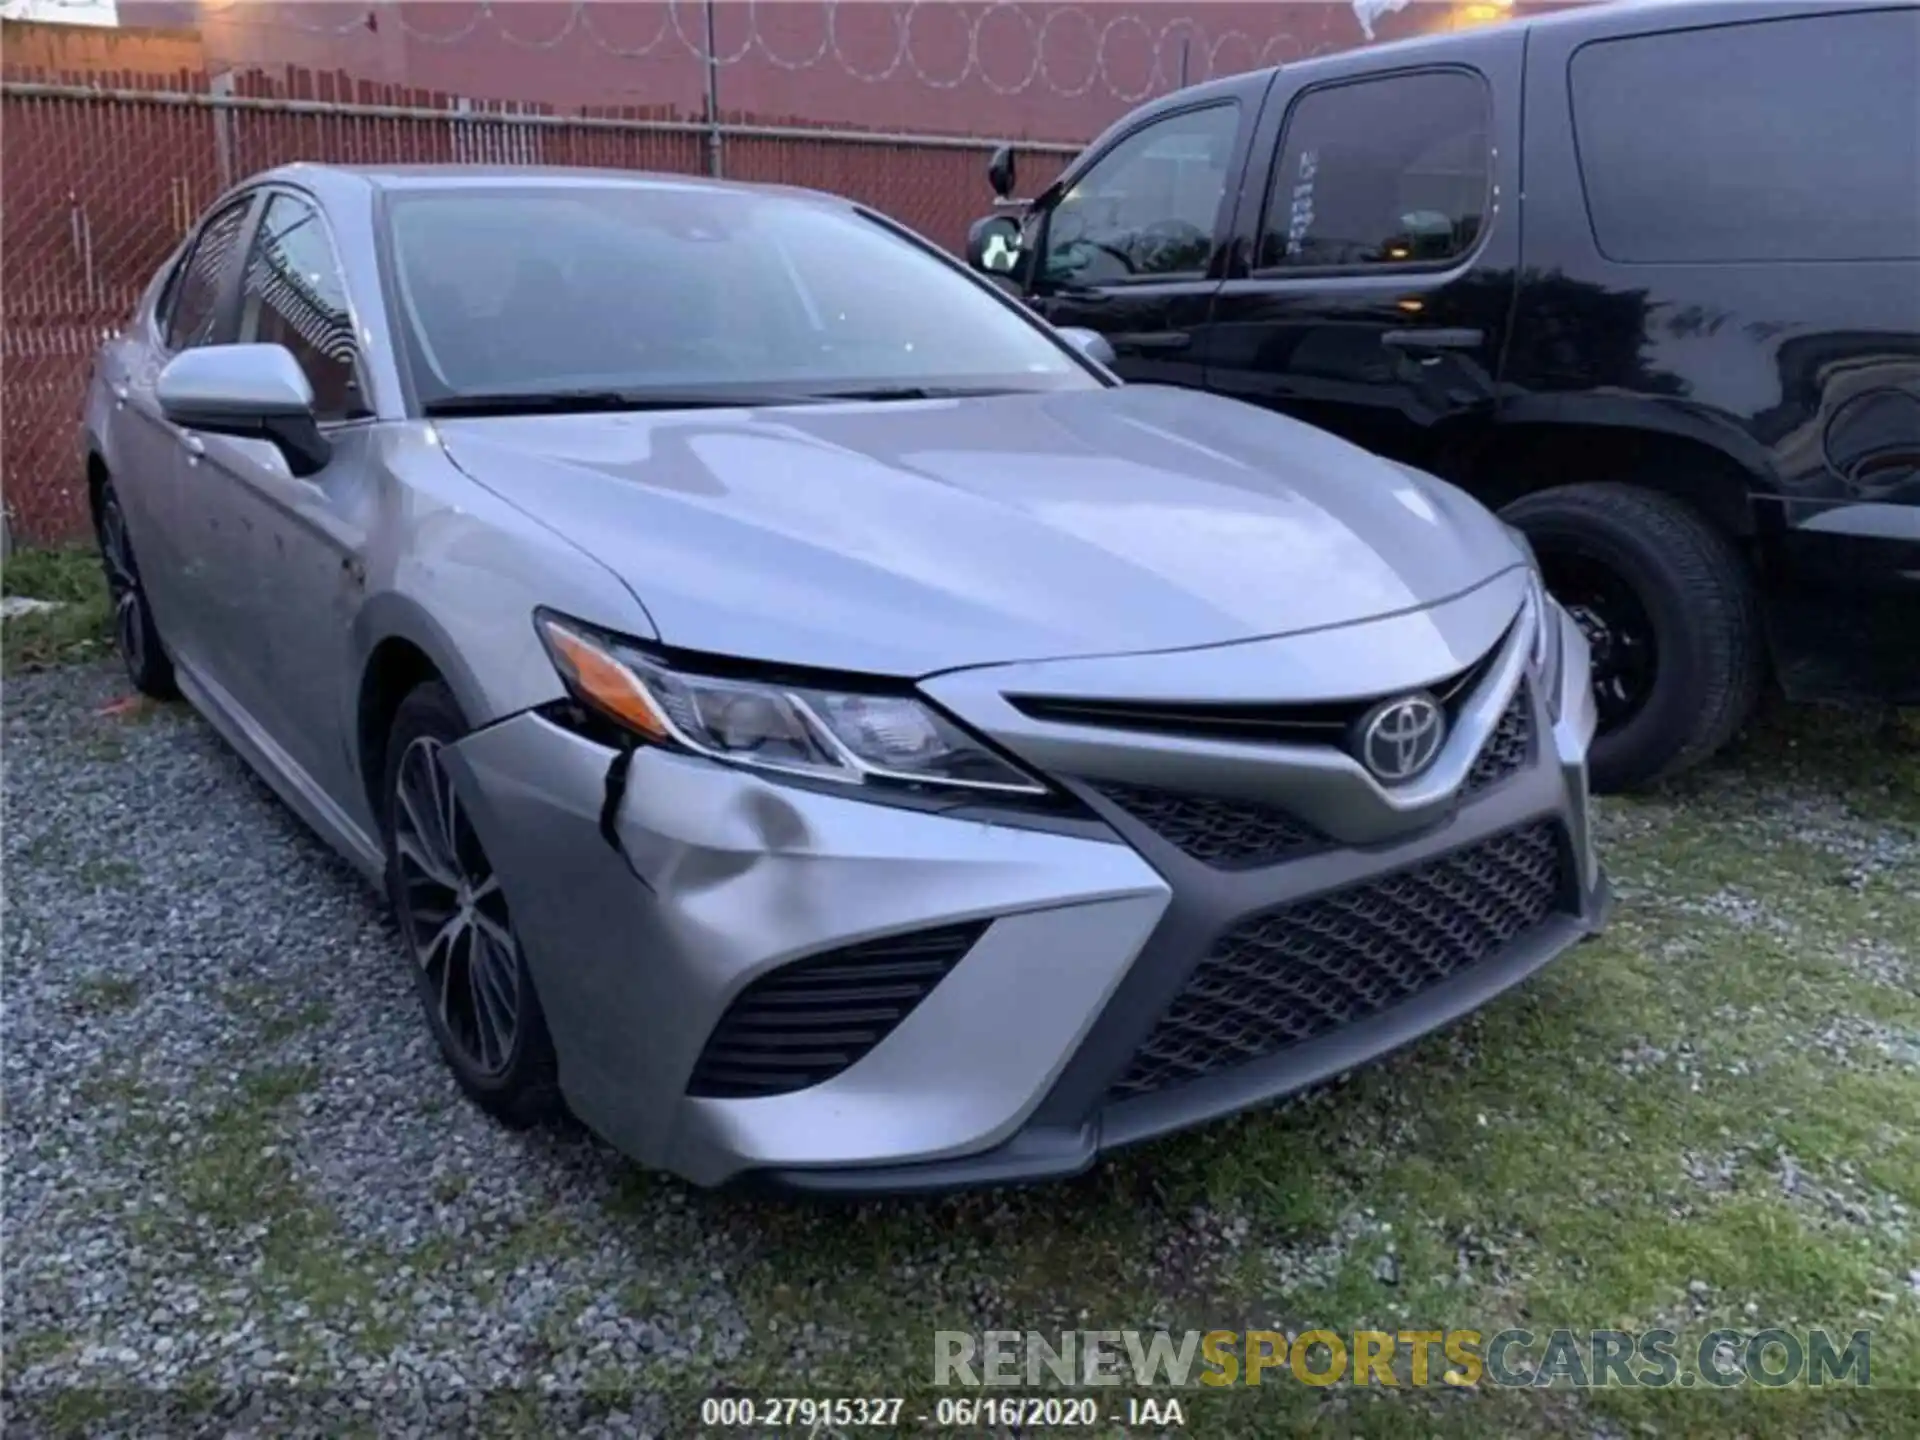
{"x":582,"y":402}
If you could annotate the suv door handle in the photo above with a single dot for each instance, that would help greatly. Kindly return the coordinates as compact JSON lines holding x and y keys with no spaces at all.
{"x":121,"y":390}
{"x":194,"y":446}
{"x":1434,"y":339}
{"x":1158,"y":340}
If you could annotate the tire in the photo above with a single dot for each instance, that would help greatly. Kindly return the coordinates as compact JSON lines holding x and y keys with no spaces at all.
{"x":515,"y":1078}
{"x":1696,"y":599}
{"x":135,"y":635}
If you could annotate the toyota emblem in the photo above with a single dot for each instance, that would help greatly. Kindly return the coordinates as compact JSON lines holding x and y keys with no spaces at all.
{"x":1400,"y":738}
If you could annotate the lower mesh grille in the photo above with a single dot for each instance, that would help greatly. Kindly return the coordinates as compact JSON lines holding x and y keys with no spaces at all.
{"x":806,"y":1022}
{"x":1227,"y":834}
{"x":1509,"y":748}
{"x":1306,"y":969}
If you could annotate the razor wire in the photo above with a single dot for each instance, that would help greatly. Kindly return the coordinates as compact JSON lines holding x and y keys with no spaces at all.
{"x":1063,"y":51}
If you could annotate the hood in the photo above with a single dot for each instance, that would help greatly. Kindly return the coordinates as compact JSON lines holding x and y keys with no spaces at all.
{"x":909,"y":537}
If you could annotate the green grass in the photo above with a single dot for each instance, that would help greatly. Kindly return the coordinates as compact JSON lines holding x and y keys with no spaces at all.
{"x":81,"y":629}
{"x":69,"y":573}
{"x":106,"y":994}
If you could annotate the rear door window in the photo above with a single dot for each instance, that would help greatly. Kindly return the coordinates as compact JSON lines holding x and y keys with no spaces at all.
{"x":1394,"y":170}
{"x":1791,"y":139}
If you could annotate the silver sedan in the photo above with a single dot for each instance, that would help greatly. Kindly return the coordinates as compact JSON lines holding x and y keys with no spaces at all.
{"x":808,"y":717}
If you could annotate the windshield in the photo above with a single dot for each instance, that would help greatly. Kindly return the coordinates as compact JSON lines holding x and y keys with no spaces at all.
{"x":685,"y":290}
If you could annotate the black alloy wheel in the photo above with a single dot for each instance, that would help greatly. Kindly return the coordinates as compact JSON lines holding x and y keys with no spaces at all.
{"x":134,"y":634}
{"x":1667,"y":602}
{"x":1618,"y":631}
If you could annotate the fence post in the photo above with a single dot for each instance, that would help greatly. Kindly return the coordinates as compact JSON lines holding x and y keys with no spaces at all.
{"x":715,"y":164}
{"x":222,"y":84}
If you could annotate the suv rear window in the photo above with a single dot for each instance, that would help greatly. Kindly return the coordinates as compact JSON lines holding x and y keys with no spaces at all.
{"x":1770,"y":140}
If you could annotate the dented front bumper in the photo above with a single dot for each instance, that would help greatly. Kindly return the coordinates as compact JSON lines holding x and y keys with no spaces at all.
{"x":648,"y":907}
{"x":719,"y":876}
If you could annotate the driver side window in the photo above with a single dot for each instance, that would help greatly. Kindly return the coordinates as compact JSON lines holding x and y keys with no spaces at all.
{"x":1148,"y":207}
{"x":193,"y":305}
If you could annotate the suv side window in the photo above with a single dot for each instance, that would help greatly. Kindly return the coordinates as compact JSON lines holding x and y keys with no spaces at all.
{"x":195,"y":297}
{"x":1148,"y":208}
{"x":295,"y":294}
{"x":1790,"y":139}
{"x":1395,"y":170}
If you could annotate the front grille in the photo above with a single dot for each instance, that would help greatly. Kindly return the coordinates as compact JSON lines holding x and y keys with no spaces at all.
{"x":1320,"y":723}
{"x":1510,"y":746}
{"x":1227,"y":834}
{"x":808,"y":1021}
{"x":1288,"y":975}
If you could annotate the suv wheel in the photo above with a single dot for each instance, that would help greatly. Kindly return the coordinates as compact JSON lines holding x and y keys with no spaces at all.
{"x":1669,"y":611}
{"x":467,"y":962}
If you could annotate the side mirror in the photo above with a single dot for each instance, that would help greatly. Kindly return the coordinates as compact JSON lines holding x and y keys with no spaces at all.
{"x":1090,"y":343}
{"x":252,"y":392}
{"x":1000,"y":173}
{"x":993,"y":245}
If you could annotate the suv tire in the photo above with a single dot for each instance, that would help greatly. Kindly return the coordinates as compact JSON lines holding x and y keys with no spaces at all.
{"x":1695,"y":598}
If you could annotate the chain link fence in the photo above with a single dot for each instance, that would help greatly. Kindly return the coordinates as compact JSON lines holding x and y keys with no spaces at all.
{"x":100,"y":184}
{"x":101,"y":171}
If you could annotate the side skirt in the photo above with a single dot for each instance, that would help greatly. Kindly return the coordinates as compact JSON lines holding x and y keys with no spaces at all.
{"x":291,"y":783}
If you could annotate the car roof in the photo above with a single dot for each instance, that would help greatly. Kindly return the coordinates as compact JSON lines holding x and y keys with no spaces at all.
{"x":325,"y":178}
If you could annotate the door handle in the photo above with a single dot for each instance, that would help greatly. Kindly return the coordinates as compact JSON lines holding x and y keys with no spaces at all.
{"x":194,"y":446}
{"x":121,"y":390}
{"x":1434,"y":339}
{"x":1158,"y":341}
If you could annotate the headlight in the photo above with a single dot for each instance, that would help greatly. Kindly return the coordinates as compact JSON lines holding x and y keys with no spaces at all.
{"x":820,"y":734}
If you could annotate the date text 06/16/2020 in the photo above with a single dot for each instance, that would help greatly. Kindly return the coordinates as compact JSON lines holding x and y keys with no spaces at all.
{"x":822,"y":1414}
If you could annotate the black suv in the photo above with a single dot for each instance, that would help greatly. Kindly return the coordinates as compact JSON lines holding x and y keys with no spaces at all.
{"x":1644,"y":277}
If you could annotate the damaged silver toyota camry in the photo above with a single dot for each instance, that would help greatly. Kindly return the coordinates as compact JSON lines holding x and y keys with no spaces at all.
{"x":810,"y":719}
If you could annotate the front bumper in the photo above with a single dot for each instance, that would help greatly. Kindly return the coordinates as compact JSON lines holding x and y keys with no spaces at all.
{"x":1020,"y":1063}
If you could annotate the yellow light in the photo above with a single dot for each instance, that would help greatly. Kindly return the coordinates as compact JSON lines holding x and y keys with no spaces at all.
{"x":603,"y":680}
{"x":1481,"y":12}
{"x":1411,"y":305}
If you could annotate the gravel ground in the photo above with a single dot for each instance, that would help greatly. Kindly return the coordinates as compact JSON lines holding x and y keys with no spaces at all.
{"x":239,"y":1183}
{"x":233,"y":1156}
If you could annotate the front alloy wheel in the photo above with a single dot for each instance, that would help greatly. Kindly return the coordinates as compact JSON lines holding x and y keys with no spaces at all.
{"x":467,"y":960}
{"x":455,"y":914}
